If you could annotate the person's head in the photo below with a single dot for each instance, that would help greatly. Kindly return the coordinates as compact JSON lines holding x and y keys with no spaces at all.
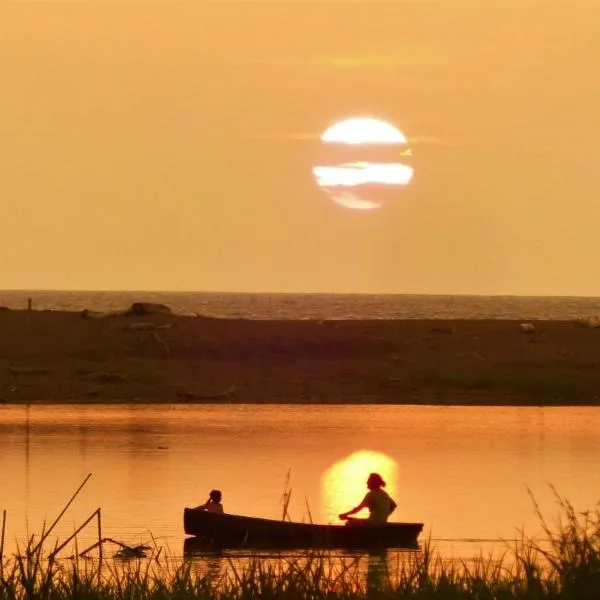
{"x":375,"y":481}
{"x":215,"y":495}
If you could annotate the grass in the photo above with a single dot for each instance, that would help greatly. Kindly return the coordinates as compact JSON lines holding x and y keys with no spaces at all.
{"x":566,"y":566}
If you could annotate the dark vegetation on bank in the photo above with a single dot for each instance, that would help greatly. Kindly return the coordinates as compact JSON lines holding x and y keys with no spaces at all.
{"x":565,"y":567}
{"x":48,"y":356}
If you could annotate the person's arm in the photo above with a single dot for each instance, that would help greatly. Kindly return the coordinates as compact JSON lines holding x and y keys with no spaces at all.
{"x":203,"y":506}
{"x":393,"y":506}
{"x":356,"y":509}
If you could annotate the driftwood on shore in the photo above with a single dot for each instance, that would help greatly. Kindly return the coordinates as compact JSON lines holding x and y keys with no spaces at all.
{"x":103,"y":376}
{"x":102,"y":314}
{"x":28,"y":370}
{"x":162,"y":342}
{"x":195,"y":396}
{"x":142,"y":326}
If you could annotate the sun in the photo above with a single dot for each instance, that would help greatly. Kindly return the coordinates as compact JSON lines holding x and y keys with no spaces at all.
{"x":364,"y":163}
{"x":363,"y":130}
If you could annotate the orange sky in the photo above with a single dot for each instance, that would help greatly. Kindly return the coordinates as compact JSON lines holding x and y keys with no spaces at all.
{"x":169,"y":145}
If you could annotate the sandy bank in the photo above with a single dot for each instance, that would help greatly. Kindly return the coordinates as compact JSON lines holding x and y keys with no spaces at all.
{"x":51,"y":356}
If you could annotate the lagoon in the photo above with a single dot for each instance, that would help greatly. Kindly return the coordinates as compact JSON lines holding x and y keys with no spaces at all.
{"x":467,"y":472}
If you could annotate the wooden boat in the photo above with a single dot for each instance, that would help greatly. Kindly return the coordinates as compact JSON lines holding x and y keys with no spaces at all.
{"x":235,"y":531}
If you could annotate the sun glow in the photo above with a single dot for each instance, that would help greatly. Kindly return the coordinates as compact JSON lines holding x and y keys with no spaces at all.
{"x":344,"y":483}
{"x":363,"y":130}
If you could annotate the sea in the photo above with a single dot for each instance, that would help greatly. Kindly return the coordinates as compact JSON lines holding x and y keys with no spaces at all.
{"x":315,"y":306}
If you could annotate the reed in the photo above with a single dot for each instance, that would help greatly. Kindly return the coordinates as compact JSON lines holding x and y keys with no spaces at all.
{"x":2,"y":535}
{"x":566,"y":566}
{"x":286,"y":496}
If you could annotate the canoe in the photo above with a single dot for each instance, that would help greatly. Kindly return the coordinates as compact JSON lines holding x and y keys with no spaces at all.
{"x":236,"y":531}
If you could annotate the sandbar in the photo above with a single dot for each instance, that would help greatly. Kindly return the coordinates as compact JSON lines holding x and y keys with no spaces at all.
{"x":61,"y":357}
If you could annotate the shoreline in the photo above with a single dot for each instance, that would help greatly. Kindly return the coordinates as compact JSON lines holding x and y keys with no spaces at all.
{"x":57,"y":357}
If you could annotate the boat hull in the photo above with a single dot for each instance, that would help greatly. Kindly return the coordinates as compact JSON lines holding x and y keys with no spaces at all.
{"x":234,"y":531}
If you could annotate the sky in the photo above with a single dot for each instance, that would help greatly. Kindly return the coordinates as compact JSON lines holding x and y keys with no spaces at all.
{"x":170,"y":145}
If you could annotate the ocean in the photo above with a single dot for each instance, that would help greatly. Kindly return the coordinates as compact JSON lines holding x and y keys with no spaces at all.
{"x":315,"y":306}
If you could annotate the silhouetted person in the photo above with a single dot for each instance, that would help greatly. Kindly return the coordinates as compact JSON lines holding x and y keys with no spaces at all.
{"x":213,"y":504}
{"x":377,"y":500}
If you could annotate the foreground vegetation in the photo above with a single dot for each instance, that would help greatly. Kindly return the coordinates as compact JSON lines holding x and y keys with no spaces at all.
{"x":565,"y":566}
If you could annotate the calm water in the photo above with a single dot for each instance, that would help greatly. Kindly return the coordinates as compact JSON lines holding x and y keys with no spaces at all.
{"x":465,"y":472}
{"x":317,"y":306}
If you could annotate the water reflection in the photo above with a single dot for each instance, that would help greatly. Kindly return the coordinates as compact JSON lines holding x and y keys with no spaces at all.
{"x":373,"y":572}
{"x":27,"y":445}
{"x":464,"y":472}
{"x":344,"y":483}
{"x":378,"y":573}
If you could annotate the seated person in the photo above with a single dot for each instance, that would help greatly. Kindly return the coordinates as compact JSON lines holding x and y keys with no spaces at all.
{"x":213,"y":504}
{"x":377,"y":500}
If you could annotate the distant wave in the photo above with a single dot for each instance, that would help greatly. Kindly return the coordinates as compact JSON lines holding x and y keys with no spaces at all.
{"x":317,"y":306}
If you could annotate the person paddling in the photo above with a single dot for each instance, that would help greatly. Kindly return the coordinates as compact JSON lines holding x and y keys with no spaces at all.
{"x":377,"y":500}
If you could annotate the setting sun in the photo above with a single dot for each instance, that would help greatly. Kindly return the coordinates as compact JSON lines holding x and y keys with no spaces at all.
{"x":363,"y":130}
{"x":357,"y":172}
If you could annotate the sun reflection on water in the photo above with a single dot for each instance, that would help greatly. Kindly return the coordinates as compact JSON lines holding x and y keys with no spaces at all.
{"x":343,"y":485}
